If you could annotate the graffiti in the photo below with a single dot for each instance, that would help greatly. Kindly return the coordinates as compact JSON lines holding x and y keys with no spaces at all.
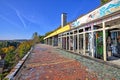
{"x":93,"y":15}
{"x":75,"y":24}
{"x":90,"y":36}
{"x":99,"y":44}
{"x":108,"y":8}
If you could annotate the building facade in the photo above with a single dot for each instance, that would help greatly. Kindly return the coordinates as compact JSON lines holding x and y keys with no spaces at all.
{"x":96,"y":34}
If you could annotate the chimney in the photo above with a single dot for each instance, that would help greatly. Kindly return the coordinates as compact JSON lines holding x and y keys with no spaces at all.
{"x":63,"y":19}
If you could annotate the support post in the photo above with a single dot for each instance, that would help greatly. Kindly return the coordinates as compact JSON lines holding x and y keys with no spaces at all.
{"x":84,"y":41}
{"x":48,"y":41}
{"x":45,"y":41}
{"x":69,"y":41}
{"x":53,"y":41}
{"x":73,"y":42}
{"x":92,"y":33}
{"x":61,"y":42}
{"x":78,"y":41}
{"x":104,"y":42}
{"x":66,"y":41}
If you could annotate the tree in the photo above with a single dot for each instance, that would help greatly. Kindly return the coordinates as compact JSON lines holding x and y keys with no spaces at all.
{"x":9,"y":56}
{"x":11,"y":52}
{"x":4,"y":50}
{"x":41,"y":38}
{"x":9,"y":49}
{"x":46,"y":34}
{"x":34,"y":35}
{"x":35,"y":38}
{"x":104,"y":1}
{"x":23,"y":48}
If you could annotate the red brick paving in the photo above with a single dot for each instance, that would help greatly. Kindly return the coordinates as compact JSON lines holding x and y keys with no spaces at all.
{"x":46,"y":64}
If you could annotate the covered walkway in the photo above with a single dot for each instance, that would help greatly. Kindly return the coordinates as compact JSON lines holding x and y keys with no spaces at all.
{"x":96,"y":34}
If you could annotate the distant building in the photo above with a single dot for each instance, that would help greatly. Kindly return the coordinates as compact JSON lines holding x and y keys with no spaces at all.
{"x":2,"y":62}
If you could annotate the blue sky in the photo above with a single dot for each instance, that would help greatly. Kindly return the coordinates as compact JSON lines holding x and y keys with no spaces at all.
{"x":19,"y":19}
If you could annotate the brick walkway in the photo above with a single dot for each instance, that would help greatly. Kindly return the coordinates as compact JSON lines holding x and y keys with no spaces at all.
{"x":103,"y":71}
{"x":47,"y":63}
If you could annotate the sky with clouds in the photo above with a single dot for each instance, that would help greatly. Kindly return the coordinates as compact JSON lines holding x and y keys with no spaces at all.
{"x":19,"y":19}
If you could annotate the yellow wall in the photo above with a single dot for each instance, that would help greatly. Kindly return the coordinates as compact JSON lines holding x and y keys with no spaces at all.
{"x":60,"y":30}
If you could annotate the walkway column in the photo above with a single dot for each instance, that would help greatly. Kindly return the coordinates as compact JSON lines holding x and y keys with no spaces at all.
{"x":45,"y":41}
{"x":69,"y":41}
{"x":53,"y":41}
{"x":104,"y":42}
{"x":48,"y":41}
{"x":78,"y":41}
{"x":92,"y":33}
{"x":73,"y":42}
{"x":66,"y":42}
{"x":61,"y":42}
{"x":84,"y":40}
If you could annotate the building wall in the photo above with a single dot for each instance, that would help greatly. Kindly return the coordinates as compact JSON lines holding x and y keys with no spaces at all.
{"x":92,"y":32}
